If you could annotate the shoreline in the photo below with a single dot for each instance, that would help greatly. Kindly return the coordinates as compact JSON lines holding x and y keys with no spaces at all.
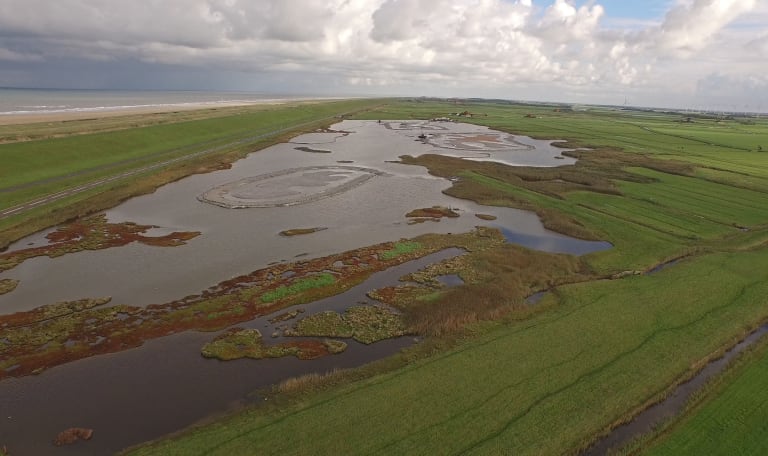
{"x":20,"y":118}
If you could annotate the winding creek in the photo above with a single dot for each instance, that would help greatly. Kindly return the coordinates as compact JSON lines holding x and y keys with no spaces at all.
{"x":164,"y":385}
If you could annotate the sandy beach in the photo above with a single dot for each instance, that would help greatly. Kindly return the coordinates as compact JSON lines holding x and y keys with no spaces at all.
{"x":28,"y":118}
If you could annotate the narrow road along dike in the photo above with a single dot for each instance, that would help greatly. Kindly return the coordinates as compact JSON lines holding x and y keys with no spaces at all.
{"x":25,"y":207}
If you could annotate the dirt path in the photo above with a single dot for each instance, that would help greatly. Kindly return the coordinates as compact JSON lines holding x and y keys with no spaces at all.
{"x":29,"y":205}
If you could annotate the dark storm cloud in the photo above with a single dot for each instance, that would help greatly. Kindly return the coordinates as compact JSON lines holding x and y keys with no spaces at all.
{"x":486,"y":47}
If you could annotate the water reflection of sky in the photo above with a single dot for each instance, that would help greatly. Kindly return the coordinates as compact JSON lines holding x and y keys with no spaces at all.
{"x":237,"y":241}
{"x":555,"y":244}
{"x":233,"y":242}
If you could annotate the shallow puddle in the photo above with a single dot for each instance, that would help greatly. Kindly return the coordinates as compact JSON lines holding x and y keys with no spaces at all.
{"x":553,"y":242}
{"x":534,"y":299}
{"x":450,"y":280}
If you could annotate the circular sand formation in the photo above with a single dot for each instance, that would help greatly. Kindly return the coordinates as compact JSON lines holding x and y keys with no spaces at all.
{"x":481,"y":142}
{"x":414,"y":126}
{"x":288,"y":187}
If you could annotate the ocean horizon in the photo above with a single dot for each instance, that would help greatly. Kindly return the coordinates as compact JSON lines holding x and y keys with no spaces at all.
{"x":20,"y":101}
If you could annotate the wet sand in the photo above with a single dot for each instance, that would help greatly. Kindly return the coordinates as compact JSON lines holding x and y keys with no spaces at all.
{"x":117,"y":111}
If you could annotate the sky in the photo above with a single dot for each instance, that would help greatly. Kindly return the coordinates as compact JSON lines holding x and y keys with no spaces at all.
{"x":700,"y":54}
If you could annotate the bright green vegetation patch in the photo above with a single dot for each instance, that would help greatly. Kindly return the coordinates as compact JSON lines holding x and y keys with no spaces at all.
{"x":733,"y":421}
{"x":7,"y":285}
{"x":400,"y":248}
{"x":608,"y":347}
{"x":366,"y":324}
{"x":248,"y":343}
{"x":300,"y":286}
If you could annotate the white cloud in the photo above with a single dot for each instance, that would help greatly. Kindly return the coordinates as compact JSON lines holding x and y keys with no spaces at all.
{"x":6,"y":54}
{"x":481,"y":47}
{"x":690,"y":26}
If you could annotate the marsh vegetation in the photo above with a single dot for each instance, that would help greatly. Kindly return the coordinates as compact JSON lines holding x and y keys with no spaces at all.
{"x":603,"y":343}
{"x":657,"y":190}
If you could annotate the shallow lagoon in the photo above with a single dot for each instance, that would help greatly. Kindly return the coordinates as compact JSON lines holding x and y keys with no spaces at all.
{"x":142,"y":393}
{"x":237,"y":241}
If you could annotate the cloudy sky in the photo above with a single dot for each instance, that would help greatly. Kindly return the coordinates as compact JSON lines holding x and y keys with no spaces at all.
{"x":682,"y":53}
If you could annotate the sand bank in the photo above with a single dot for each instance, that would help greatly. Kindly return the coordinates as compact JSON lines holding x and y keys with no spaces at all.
{"x":115,"y":111}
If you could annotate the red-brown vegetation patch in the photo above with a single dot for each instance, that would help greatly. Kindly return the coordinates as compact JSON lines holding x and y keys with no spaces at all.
{"x":40,"y":342}
{"x":72,"y":435}
{"x":93,"y":233}
{"x":434,"y":212}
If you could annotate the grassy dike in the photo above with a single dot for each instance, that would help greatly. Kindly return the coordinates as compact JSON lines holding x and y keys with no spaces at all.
{"x":728,"y":418}
{"x":41,"y":160}
{"x":591,"y":354}
{"x":540,"y":386}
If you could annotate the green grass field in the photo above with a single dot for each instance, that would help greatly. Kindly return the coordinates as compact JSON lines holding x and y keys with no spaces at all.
{"x":30,"y":161}
{"x":71,"y":154}
{"x":733,"y":419}
{"x":543,"y":380}
{"x":595,"y":353}
{"x":540,"y":386}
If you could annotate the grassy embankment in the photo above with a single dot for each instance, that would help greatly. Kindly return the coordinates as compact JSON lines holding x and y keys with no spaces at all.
{"x":729,"y":418}
{"x":594,"y":353}
{"x":40,"y":160}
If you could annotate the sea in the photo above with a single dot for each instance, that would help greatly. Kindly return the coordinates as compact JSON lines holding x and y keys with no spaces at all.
{"x":55,"y":101}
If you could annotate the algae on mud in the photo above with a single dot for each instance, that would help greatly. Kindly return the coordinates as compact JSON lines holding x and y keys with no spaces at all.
{"x":286,"y":316}
{"x":365,"y":324}
{"x":7,"y":285}
{"x":239,"y":343}
{"x":93,"y":233}
{"x":432,"y":212}
{"x":301,"y":231}
{"x":108,"y":329}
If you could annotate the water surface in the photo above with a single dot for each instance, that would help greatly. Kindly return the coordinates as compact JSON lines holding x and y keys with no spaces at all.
{"x":237,"y":241}
{"x":143,"y":393}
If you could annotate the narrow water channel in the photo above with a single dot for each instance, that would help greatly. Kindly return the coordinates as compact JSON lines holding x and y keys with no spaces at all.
{"x":672,"y":405}
{"x":165,"y":385}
